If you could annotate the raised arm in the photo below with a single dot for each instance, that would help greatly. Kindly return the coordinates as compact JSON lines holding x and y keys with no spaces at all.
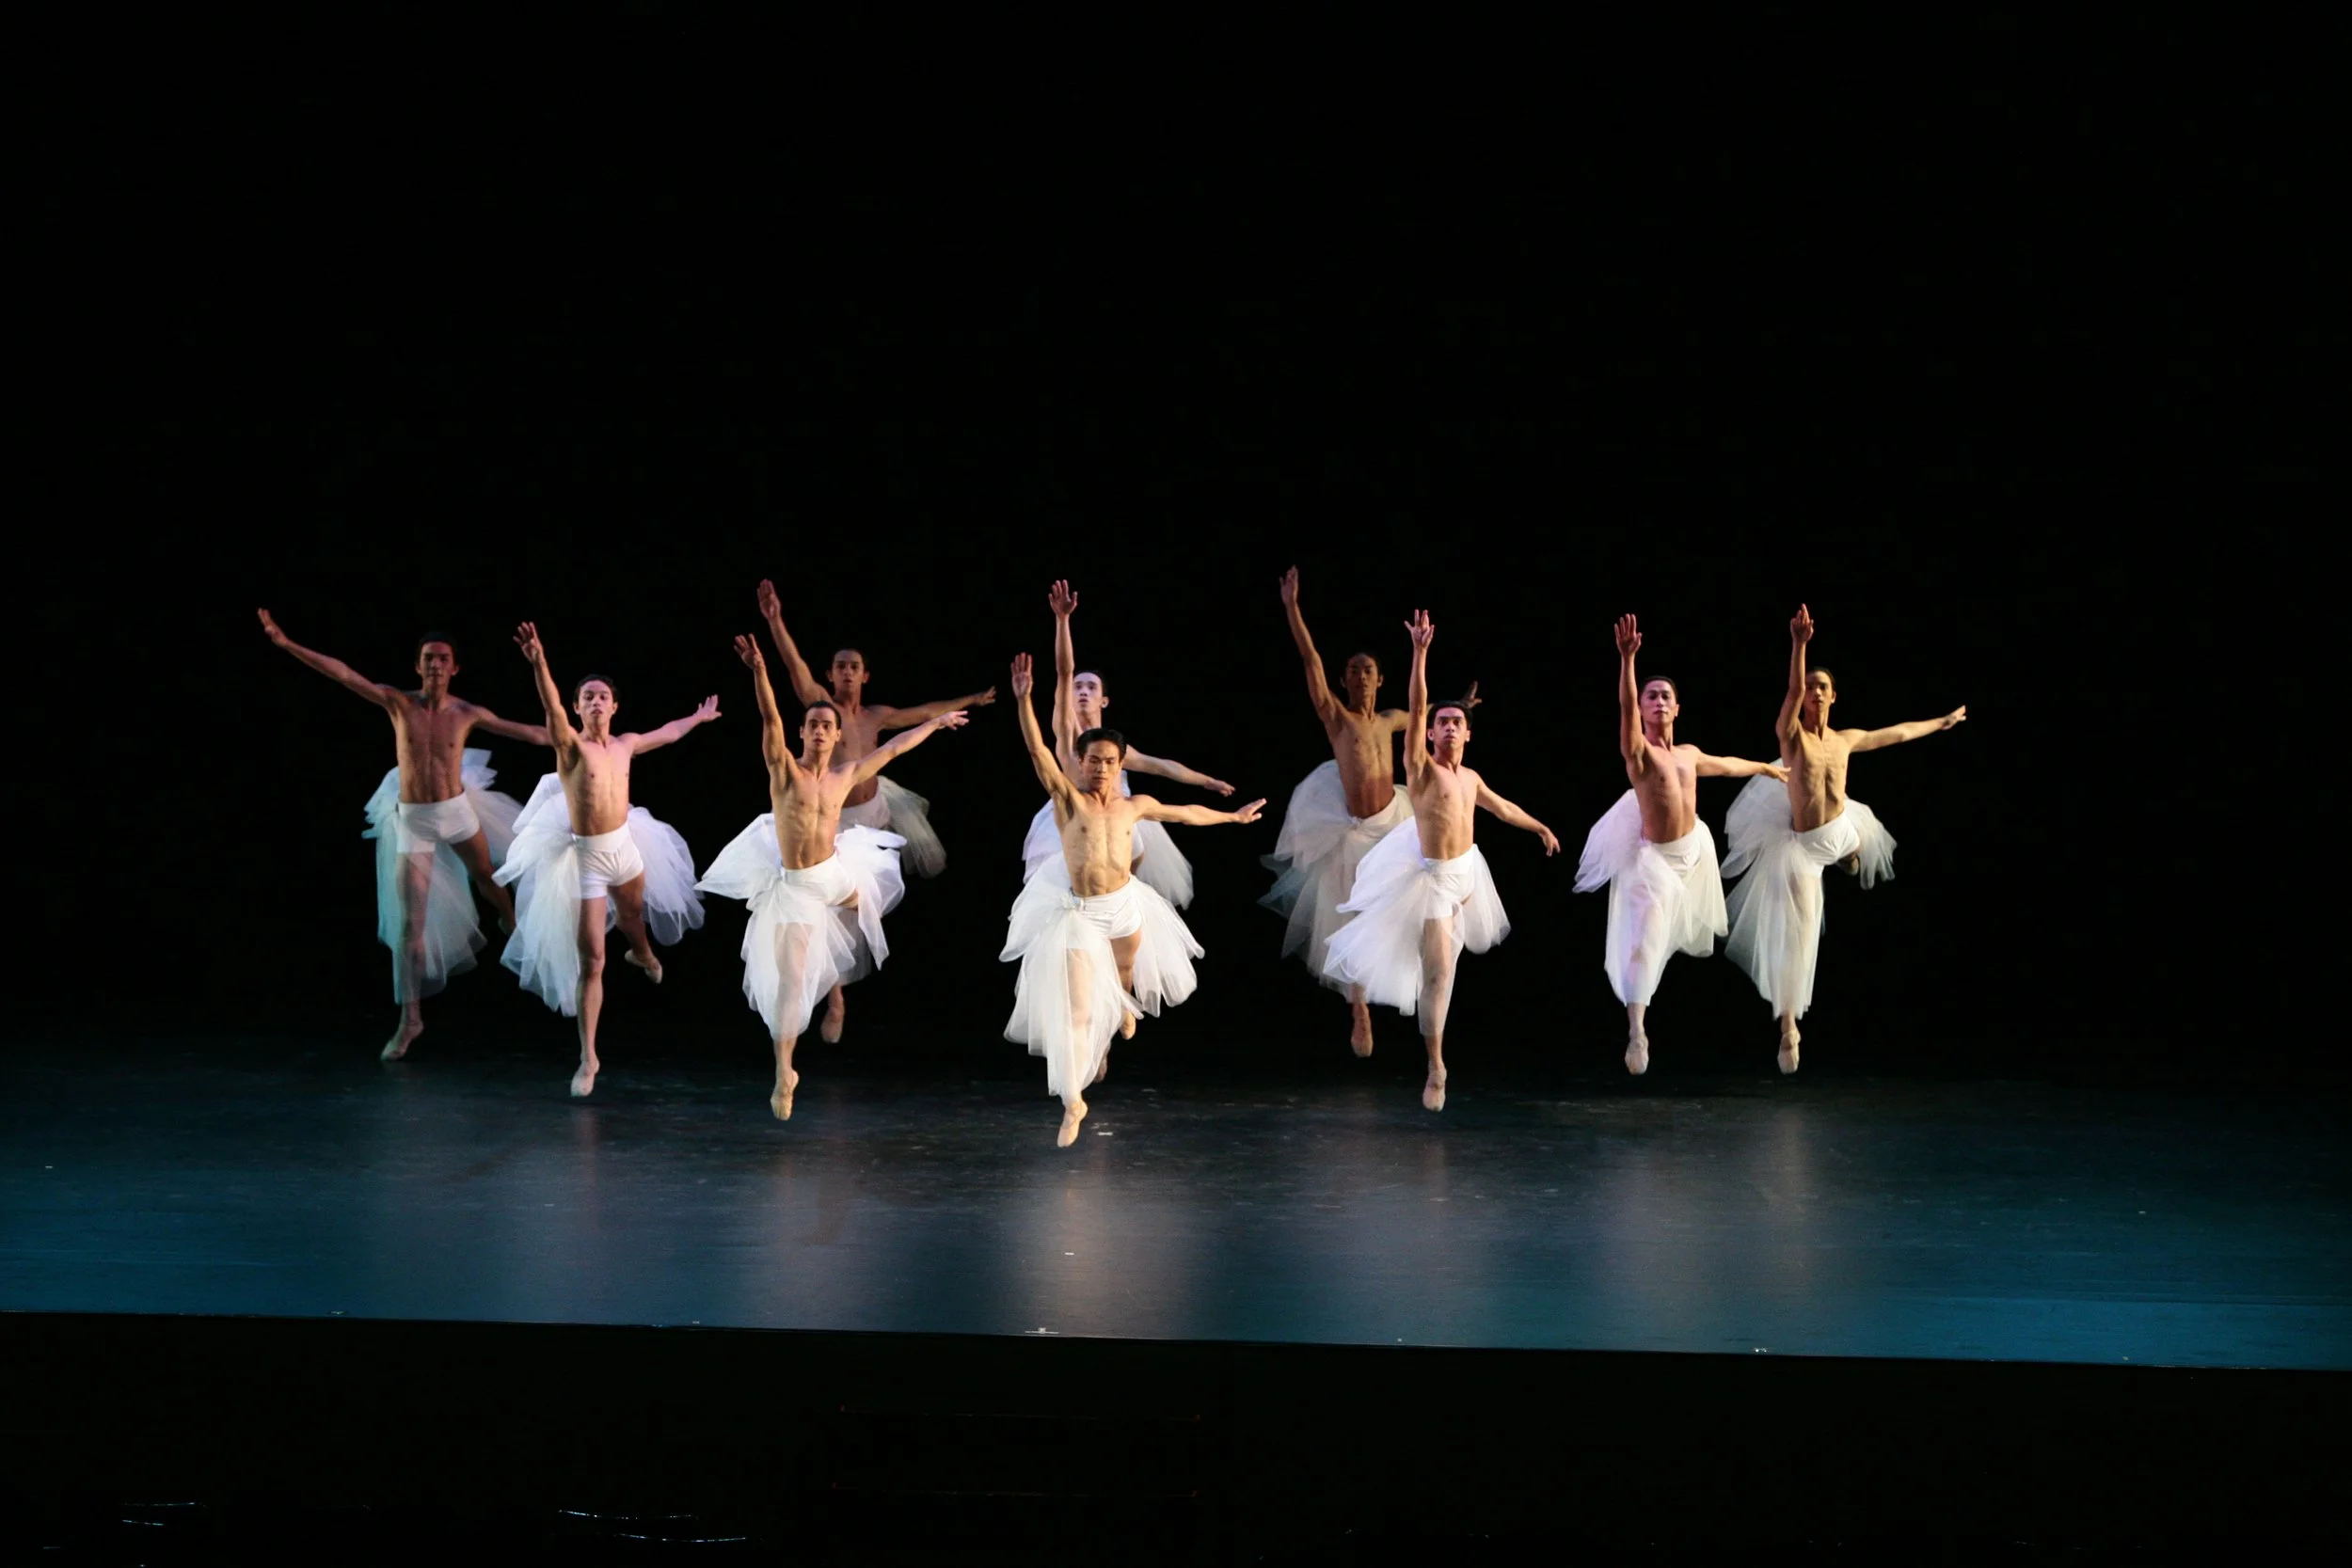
{"x":1162,"y":767}
{"x":902,"y":718}
{"x":1738,"y":768}
{"x":530,"y":735}
{"x":880,"y":756}
{"x":1065,"y":605}
{"x":803,"y":682}
{"x":1506,"y":812}
{"x":333,"y":668}
{"x":1149,"y":810}
{"x":1895,"y":734}
{"x":1318,"y":682}
{"x":1417,"y":697}
{"x":560,"y":733}
{"x":773,"y":745}
{"x":1800,"y":633}
{"x":1630,"y":741}
{"x":1049,"y":771}
{"x":676,"y":729}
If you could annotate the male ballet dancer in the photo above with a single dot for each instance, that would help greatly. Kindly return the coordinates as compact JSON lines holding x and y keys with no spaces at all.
{"x":877,"y":802}
{"x":818,"y":891}
{"x":436,"y":821}
{"x":1098,"y":943}
{"x":599,"y":864}
{"x":1783,"y":837}
{"x":1423,"y":891}
{"x":1651,"y":850}
{"x":1080,"y":700}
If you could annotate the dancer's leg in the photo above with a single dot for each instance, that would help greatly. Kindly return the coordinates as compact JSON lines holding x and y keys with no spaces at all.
{"x":1124,"y":949}
{"x":628,"y":912}
{"x":1081,"y":980}
{"x":1359,"y":1035}
{"x":475,"y":852}
{"x":1636,"y":1039}
{"x":836,"y":1004}
{"x":416,"y":873}
{"x":791,"y":969}
{"x":1437,"y":992}
{"x":1646,"y":917}
{"x":590,"y":992}
{"x":1796,"y":975}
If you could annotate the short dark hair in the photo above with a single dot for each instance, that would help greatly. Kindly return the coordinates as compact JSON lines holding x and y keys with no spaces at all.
{"x":1361,"y":653}
{"x":441,"y":637}
{"x":825,"y":704}
{"x":1091,"y":670}
{"x":859,"y":651}
{"x":1443,"y":703}
{"x":1823,"y":670}
{"x":1672,"y":684}
{"x":592,"y":676}
{"x":1100,"y":732}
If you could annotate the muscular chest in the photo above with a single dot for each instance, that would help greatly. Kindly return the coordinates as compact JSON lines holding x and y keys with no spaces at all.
{"x":603,"y":766}
{"x":1820,"y":760}
{"x":860,"y":732}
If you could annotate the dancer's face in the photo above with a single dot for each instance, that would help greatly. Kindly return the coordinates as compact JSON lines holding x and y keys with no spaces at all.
{"x":436,"y":663}
{"x":596,"y":705}
{"x":1659,"y":706}
{"x":1449,"y":731}
{"x":1819,"y":694}
{"x":819,"y":729}
{"x":1362,"y":680}
{"x":1098,"y":770}
{"x":1086,"y":689}
{"x":849,"y":673}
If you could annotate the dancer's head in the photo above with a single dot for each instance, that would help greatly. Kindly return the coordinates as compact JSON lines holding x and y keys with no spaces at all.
{"x":1086,"y":693}
{"x":595,"y":699}
{"x":848,"y":673}
{"x":436,"y":659}
{"x":1661,"y":702}
{"x":820,"y":731}
{"x":1820,"y":689}
{"x":1361,"y":680}
{"x":1100,"y":755}
{"x":1449,"y":728}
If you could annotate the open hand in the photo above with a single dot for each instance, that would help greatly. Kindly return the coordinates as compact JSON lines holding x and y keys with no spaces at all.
{"x":1629,"y":636}
{"x":271,"y":626}
{"x":770,"y":608}
{"x":707,"y":710}
{"x":747,"y":649}
{"x":1774,"y":770}
{"x":1020,"y":682}
{"x":1065,"y":603}
{"x":985,"y":698}
{"x":1471,"y":698}
{"x":1420,"y":628}
{"x":1957,"y":716}
{"x":527,"y":638}
{"x":1249,"y":812}
{"x":1801,"y":629}
{"x":1218,"y":785}
{"x":1289,"y":589}
{"x":953,"y":720}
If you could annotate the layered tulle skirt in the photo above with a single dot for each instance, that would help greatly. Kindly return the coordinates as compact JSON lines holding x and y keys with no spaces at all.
{"x":1397,"y":893}
{"x":1776,"y":914}
{"x":1663,"y":898}
{"x":1315,"y":856}
{"x":453,"y":928}
{"x":1067,"y":997}
{"x":896,"y":809}
{"x":810,"y":929}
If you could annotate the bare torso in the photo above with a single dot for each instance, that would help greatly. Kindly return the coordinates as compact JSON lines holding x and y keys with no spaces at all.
{"x":861,"y":732}
{"x":1817,"y":775}
{"x":1098,"y":835}
{"x":1445,"y":799}
{"x":432,"y":744}
{"x":596,"y":783}
{"x":1666,"y":790}
{"x":1364,"y":745}
{"x":807,"y":802}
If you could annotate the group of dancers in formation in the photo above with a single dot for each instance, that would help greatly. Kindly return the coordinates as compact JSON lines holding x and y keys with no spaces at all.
{"x":1383,"y":888}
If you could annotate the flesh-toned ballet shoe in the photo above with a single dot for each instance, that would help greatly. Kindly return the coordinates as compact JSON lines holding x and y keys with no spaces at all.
{"x":1071,"y":1116}
{"x":583,"y":1083}
{"x":1637,"y":1055}
{"x":1788,"y":1051}
{"x":1433,"y":1093}
{"x":1127,"y":1026}
{"x":397,"y":1047}
{"x":1359,"y":1037}
{"x":651,"y":966}
{"x":830,"y":1030}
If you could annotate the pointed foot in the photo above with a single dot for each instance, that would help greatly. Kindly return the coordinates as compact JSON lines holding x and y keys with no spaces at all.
{"x":651,"y":965}
{"x":1637,"y":1055}
{"x":1126,"y":1026}
{"x":1359,"y":1037}
{"x":1071,"y":1115}
{"x":403,"y":1037}
{"x":780,"y":1102}
{"x":1433,"y":1093}
{"x":1788,"y":1051}
{"x":583,"y":1083}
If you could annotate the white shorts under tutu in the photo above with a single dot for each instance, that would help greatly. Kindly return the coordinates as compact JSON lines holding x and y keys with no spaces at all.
{"x":1776,"y":907}
{"x":553,"y":869}
{"x":1067,"y":1000}
{"x":1663,"y":898}
{"x":1397,"y":893}
{"x":452,"y":931}
{"x":899,"y":810}
{"x":810,"y":929}
{"x":1157,"y":859}
{"x":1316,"y":855}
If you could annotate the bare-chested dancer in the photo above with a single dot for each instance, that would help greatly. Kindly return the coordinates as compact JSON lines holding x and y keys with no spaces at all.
{"x":1650,"y":850}
{"x":437,"y":823}
{"x":818,"y":891}
{"x":1099,"y":943}
{"x":602,"y":863}
{"x":877,"y":802}
{"x":1783,"y":836}
{"x":1080,"y":700}
{"x":1423,"y":893}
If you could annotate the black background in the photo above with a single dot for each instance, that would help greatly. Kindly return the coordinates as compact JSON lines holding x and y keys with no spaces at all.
{"x":1992,"y":378}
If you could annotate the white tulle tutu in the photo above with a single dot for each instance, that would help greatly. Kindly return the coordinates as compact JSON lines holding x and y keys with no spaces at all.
{"x":1063,"y":944}
{"x":830,"y":913}
{"x":1396,"y":893}
{"x":1663,"y":898}
{"x":544,"y":868}
{"x":1776,"y":914}
{"x":1315,"y":856}
{"x":453,"y":930}
{"x":899,"y":810}
{"x":1157,"y":859}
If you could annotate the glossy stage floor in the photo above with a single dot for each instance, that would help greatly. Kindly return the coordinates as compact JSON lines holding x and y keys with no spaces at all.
{"x":1970,"y":1218}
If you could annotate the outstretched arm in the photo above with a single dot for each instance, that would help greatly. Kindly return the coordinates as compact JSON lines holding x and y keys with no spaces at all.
{"x":903,"y":718}
{"x":1149,"y":810}
{"x":803,"y":682}
{"x":530,"y":735}
{"x":1162,"y":767}
{"x":1895,"y":734}
{"x":1505,"y":810}
{"x":1738,"y":768}
{"x":1800,"y":633}
{"x":1049,"y":772}
{"x":880,"y":756}
{"x":676,"y":729}
{"x":333,"y":668}
{"x":1630,"y":741}
{"x":1417,"y":697}
{"x":1318,"y":685}
{"x":560,"y":733}
{"x":773,"y":746}
{"x":1065,"y":604}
